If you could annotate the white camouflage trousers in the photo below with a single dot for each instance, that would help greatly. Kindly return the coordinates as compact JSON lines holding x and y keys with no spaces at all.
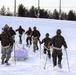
{"x":6,"y":53}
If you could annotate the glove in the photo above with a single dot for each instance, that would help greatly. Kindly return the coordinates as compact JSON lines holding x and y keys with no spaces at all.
{"x":48,"y":47}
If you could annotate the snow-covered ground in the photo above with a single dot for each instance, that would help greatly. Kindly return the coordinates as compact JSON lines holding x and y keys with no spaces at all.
{"x":34,"y":65}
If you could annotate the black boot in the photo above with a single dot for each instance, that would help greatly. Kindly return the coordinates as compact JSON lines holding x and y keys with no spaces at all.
{"x":49,"y":56}
{"x":6,"y":62}
{"x":37,"y":47}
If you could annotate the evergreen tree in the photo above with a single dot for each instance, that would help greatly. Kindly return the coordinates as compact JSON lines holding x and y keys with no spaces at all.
{"x":55,"y":14}
{"x":71,"y":15}
{"x":63,"y":16}
{"x":43,"y":14}
{"x":21,"y":10}
{"x":32,"y":12}
{"x":26,"y":13}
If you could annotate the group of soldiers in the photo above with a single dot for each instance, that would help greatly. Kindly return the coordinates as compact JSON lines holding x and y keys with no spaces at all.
{"x":33,"y":36}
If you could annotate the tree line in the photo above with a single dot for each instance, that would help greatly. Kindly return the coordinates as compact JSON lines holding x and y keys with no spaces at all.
{"x":33,"y":12}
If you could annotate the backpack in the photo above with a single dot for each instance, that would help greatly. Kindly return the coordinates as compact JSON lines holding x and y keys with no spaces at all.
{"x":6,"y":39}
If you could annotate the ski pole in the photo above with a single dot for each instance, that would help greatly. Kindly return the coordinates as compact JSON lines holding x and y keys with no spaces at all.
{"x":45,"y":62}
{"x":40,"y":51}
{"x":46,"y":58}
{"x":40,"y":48}
{"x":14,"y":54}
{"x":24,"y":36}
{"x":17,"y":45}
{"x":67,"y":60}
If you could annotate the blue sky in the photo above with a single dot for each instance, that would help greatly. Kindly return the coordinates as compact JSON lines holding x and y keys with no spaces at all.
{"x":46,"y":4}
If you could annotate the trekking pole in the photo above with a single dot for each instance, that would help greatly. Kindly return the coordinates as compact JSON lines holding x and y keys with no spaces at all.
{"x":14,"y":54}
{"x":67,"y":60}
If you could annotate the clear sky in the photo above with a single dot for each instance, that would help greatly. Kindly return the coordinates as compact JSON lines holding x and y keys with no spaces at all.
{"x":46,"y":4}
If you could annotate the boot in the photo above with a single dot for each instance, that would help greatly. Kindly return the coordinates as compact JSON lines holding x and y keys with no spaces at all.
{"x":27,"y":44}
{"x":59,"y":65}
{"x":20,"y":42}
{"x":6,"y":62}
{"x":37,"y":48}
{"x":2,"y":62}
{"x":49,"y":56}
{"x":34,"y":50}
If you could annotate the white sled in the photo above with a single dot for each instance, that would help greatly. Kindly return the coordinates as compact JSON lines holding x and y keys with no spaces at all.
{"x":20,"y":54}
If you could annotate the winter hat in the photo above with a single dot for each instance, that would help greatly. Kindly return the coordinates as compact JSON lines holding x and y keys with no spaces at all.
{"x":58,"y":31}
{"x":47,"y":34}
{"x":34,"y":28}
{"x":6,"y":27}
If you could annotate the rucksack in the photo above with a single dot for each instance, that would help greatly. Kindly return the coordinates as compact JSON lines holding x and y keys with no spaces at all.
{"x":5,"y":39}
